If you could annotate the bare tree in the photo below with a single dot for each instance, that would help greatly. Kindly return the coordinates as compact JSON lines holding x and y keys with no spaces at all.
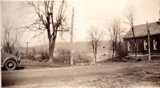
{"x":51,"y":18}
{"x":115,"y":35}
{"x":9,"y":37}
{"x":95,"y":36}
{"x":130,"y":19}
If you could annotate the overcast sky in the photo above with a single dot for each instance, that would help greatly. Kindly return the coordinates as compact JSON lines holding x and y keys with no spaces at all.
{"x":88,"y":14}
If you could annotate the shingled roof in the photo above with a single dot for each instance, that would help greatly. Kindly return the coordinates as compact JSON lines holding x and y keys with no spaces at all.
{"x":140,"y":30}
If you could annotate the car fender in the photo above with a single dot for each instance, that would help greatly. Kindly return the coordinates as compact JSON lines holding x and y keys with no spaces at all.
{"x":9,"y":58}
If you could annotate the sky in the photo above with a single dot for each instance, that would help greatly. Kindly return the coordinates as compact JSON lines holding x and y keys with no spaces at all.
{"x":88,"y":14}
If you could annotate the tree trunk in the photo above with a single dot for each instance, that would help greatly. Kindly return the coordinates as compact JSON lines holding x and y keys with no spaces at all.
{"x":51,"y":49}
{"x":113,"y":49}
{"x":95,"y":57}
{"x":95,"y":53}
{"x":135,"y":42}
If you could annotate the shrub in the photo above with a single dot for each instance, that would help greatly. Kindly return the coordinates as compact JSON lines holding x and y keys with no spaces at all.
{"x":9,"y":48}
{"x":63,"y":56}
{"x":121,"y":50}
{"x":41,"y":56}
{"x":38,"y":55}
{"x":44,"y":56}
{"x":82,"y":59}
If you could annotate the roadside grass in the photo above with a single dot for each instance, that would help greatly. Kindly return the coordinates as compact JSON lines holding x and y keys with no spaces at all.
{"x":146,"y":74}
{"x":30,"y":64}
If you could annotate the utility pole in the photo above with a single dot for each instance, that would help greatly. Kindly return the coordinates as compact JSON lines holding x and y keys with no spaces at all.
{"x":72,"y":25}
{"x":27,"y":43}
{"x":71,"y":37}
{"x":159,"y":13}
{"x":149,"y":42}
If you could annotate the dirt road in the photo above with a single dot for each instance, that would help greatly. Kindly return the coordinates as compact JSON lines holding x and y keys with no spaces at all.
{"x":67,"y":77}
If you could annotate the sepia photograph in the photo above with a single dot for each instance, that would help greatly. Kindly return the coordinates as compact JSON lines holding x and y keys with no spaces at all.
{"x":80,"y":43}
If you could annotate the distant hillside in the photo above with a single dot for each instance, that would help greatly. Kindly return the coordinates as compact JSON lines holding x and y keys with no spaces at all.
{"x":77,"y":46}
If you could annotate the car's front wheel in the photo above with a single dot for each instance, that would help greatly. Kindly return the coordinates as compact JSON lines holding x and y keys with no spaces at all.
{"x":10,"y":64}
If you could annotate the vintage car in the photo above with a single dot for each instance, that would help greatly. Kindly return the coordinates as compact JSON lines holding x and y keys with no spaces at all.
{"x":10,"y":61}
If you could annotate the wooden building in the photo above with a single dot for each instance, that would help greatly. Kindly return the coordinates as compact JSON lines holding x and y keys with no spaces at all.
{"x":141,"y":37}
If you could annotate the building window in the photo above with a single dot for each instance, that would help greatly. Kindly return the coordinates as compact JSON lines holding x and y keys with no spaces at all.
{"x":145,"y":44}
{"x":154,"y":44}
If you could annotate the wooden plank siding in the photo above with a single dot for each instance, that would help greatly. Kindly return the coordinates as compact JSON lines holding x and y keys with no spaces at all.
{"x":155,"y":44}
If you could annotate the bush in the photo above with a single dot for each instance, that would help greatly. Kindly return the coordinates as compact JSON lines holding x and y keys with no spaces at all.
{"x":9,"y":48}
{"x":63,"y":56}
{"x":44,"y":56}
{"x":38,"y":56}
{"x":121,"y":50}
{"x":82,"y":59}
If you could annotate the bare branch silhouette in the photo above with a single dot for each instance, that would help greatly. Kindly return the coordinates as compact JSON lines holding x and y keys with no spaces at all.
{"x":51,"y":19}
{"x":95,"y":36}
